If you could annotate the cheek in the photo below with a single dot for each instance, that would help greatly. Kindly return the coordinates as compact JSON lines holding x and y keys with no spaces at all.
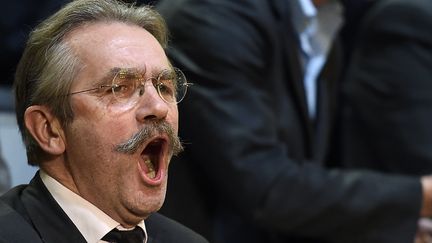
{"x":91,"y":148}
{"x":93,"y":129}
{"x":173,"y":118}
{"x":112,"y":131}
{"x":99,"y":117}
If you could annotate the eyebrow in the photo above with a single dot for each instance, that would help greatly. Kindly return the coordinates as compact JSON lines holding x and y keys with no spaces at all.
{"x":108,"y":77}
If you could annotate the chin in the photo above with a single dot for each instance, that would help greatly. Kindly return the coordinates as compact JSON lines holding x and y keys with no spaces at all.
{"x":149,"y":204}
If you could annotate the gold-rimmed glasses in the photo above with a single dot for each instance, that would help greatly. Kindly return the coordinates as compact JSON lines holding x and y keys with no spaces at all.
{"x":128,"y":85}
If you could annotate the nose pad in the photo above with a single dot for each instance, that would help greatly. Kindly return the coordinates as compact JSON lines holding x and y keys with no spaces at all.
{"x":152,"y":106}
{"x":141,"y":90}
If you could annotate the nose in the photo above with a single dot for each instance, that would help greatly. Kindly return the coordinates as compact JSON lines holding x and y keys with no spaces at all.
{"x":150,"y":105}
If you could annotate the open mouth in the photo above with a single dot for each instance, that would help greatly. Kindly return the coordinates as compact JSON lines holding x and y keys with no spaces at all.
{"x":153,"y":158}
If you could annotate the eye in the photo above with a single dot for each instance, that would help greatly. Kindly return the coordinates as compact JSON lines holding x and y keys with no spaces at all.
{"x":106,"y":89}
{"x":123,"y":87}
{"x":166,"y":89}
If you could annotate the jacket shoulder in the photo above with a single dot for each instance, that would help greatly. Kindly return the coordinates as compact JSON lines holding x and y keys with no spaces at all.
{"x":13,"y":226}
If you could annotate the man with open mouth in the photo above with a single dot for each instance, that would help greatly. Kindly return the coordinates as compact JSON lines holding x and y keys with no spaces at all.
{"x":96,"y":103}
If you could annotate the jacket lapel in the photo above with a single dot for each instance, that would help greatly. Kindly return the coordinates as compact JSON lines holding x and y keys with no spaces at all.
{"x":328,"y":88}
{"x":295,"y":71}
{"x":51,"y":222}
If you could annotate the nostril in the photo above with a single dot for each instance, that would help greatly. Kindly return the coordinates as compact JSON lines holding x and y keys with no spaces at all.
{"x":150,"y":117}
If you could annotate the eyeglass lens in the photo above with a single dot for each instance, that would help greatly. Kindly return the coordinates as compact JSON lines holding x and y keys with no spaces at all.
{"x":171,"y":85}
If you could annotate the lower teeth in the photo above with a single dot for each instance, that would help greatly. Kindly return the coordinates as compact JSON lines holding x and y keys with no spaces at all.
{"x":151,"y":173}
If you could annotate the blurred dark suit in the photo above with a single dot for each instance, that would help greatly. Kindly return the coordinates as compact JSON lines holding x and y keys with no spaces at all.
{"x":253,"y":166}
{"x":387,"y":93}
{"x":353,"y":14}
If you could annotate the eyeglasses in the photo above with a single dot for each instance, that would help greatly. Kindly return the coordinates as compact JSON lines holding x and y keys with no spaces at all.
{"x":129,"y":84}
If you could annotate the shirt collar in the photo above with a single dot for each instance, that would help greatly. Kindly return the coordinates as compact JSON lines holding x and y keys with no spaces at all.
{"x":303,"y":12}
{"x":308,"y":8}
{"x":92,"y":222}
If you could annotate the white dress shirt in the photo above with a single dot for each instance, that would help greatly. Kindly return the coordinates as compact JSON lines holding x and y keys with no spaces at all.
{"x":316,"y":29}
{"x":90,"y":220}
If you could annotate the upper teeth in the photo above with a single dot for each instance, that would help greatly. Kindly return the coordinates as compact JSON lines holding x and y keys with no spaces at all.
{"x":151,"y":173}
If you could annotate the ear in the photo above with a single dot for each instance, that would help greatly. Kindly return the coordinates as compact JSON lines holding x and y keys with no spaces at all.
{"x":45,"y":129}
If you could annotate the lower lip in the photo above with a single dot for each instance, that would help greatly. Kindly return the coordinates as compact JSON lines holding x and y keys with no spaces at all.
{"x":156,"y":181}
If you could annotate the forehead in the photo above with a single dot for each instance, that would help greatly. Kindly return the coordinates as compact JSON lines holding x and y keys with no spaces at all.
{"x":104,"y":46}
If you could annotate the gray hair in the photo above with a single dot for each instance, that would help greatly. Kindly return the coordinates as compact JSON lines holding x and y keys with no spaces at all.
{"x":48,"y":66}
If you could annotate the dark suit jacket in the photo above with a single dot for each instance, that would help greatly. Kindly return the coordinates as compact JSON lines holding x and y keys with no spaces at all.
{"x":387,"y":93}
{"x":253,"y":166}
{"x":28,"y":213}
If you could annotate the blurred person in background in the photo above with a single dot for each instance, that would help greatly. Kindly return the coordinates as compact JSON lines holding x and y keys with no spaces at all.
{"x":256,"y":127}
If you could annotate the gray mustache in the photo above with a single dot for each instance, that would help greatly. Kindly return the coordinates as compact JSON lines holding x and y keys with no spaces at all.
{"x":150,"y":130}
